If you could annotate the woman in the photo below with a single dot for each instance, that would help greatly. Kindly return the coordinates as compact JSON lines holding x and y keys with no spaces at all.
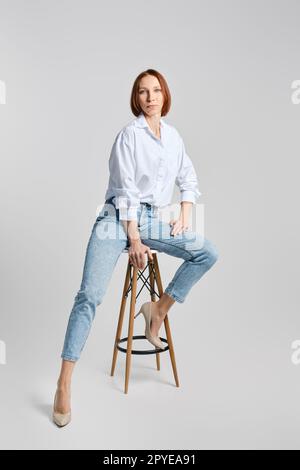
{"x":148,"y":156}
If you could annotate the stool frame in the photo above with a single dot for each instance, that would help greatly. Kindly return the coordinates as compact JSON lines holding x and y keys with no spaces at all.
{"x":133,"y":275}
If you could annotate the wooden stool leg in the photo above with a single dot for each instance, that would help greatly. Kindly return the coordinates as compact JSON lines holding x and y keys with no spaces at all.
{"x":121,"y":318}
{"x":130,"y":327}
{"x":152,"y":285}
{"x":166,"y":322}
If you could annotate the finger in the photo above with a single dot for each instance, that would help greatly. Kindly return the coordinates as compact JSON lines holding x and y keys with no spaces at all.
{"x":135,"y":261}
{"x":178,"y":231}
{"x":176,"y":228}
{"x":141,"y":260}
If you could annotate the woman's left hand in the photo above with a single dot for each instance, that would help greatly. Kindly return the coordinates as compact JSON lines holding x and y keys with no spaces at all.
{"x":178,"y":226}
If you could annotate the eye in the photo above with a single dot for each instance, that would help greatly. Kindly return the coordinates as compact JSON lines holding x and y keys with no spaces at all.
{"x":142,"y":91}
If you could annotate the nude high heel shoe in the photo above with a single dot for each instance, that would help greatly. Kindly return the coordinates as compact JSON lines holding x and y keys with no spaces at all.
{"x":146,"y":311}
{"x":60,"y":419}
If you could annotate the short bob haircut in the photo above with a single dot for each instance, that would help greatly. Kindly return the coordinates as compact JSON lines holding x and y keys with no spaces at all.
{"x":134,"y":100}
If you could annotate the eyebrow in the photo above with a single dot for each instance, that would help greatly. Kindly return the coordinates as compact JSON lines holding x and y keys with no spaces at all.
{"x":156,"y":86}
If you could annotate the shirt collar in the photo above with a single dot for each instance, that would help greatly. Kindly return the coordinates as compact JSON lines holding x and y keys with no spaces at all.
{"x":141,"y":121}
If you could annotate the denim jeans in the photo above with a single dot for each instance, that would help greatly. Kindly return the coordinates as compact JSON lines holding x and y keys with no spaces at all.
{"x":106,"y":243}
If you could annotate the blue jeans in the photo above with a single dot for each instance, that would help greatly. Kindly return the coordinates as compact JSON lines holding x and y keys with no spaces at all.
{"x":107,"y":241}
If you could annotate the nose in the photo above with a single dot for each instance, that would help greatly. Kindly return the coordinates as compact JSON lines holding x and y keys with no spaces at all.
{"x":150,"y":98}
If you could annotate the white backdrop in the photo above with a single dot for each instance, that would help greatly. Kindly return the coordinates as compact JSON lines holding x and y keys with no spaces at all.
{"x":68,"y":67}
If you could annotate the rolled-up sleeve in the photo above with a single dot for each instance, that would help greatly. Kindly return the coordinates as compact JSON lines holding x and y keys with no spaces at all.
{"x":186,"y":179}
{"x":122,"y":173}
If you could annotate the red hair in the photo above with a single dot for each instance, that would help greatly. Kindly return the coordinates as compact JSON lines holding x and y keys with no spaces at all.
{"x":134,"y":99}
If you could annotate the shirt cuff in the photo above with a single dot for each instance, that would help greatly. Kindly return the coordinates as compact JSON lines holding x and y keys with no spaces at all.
{"x":127,"y":208}
{"x":188,"y":196}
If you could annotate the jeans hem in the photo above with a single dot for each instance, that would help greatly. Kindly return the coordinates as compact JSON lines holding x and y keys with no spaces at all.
{"x":69,"y":358}
{"x":174,"y":296}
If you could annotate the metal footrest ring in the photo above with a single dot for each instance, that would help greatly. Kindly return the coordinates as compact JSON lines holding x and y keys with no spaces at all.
{"x":143,"y":351}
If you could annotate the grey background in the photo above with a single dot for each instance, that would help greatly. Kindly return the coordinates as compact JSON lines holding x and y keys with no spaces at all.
{"x":69,"y":67}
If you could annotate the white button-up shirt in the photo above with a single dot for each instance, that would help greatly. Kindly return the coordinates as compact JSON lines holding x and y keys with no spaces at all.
{"x":144,"y":168}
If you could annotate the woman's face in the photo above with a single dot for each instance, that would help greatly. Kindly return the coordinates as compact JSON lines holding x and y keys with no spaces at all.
{"x":150,"y":95}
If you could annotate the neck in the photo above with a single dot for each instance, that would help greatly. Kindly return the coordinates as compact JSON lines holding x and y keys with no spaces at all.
{"x":154,"y":122}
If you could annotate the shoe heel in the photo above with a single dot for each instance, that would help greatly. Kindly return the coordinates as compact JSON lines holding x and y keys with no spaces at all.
{"x":137,"y":314}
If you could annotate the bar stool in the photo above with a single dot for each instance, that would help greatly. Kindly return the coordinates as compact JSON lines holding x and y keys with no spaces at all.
{"x":133,"y":275}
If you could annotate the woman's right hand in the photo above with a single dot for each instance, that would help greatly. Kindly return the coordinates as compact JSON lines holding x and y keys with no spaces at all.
{"x":137,"y":251}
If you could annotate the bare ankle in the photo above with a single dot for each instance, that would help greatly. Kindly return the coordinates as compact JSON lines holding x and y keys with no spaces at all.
{"x":63,"y":385}
{"x":162,"y":311}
